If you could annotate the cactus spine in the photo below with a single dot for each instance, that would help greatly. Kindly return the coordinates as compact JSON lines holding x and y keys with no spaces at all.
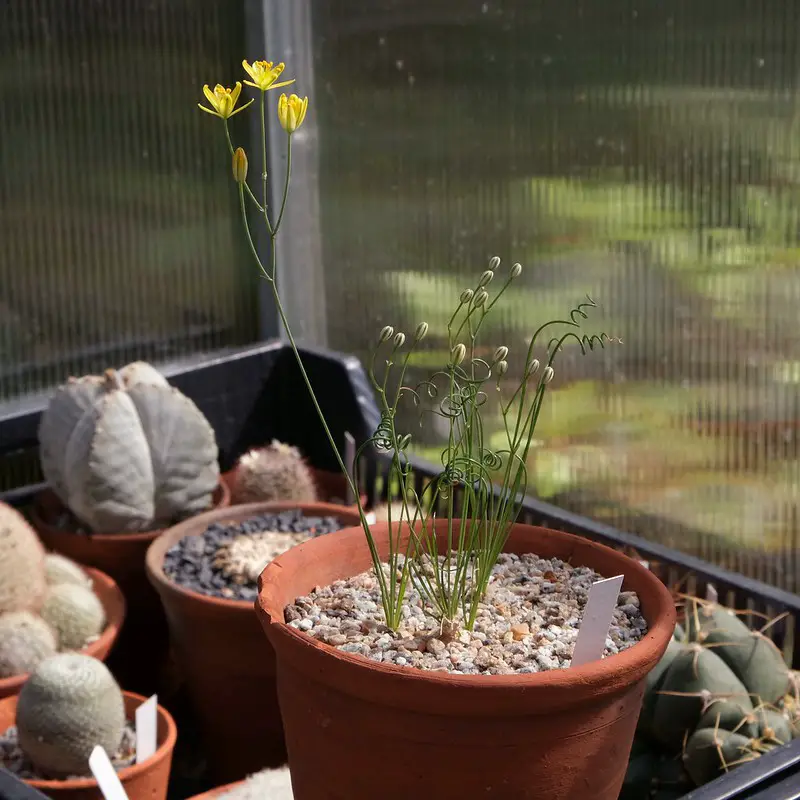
{"x":275,"y":473}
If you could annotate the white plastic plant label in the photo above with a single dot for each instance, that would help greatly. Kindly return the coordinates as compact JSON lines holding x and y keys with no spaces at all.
{"x":105,"y":775}
{"x":146,"y":728}
{"x":711,"y":593}
{"x":596,"y":620}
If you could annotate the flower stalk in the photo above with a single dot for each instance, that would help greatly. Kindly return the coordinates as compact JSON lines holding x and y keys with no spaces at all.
{"x":451,"y":576}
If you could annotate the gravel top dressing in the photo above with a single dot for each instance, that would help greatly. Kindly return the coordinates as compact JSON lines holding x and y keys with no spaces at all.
{"x":527,"y":623}
{"x":16,"y":762}
{"x":227,"y":558}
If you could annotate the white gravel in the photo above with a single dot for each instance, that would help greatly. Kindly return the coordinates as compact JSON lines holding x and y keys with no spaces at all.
{"x":528,"y":621}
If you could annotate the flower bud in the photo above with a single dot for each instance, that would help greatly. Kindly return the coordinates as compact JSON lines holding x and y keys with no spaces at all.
{"x":421,"y":332}
{"x":516,"y":270}
{"x":239,"y":165}
{"x":399,"y":339}
{"x":533,"y":367}
{"x":500,"y":353}
{"x":466,"y":295}
{"x":458,"y":353}
{"x":480,"y":298}
{"x":486,"y":277}
{"x":502,"y":368}
{"x":494,"y":263}
{"x":386,"y":334}
{"x":547,"y":375}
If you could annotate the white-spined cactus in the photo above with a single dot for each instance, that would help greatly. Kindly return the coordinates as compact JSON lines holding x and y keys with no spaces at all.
{"x":22,"y":576}
{"x":275,"y":784}
{"x":59,"y":569}
{"x":128,"y":452}
{"x":75,"y":613}
{"x":70,"y":703}
{"x":25,"y":641}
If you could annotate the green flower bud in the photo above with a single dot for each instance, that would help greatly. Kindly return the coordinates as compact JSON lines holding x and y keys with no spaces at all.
{"x":466,"y":295}
{"x":458,"y":353}
{"x":399,"y":339}
{"x":494,"y":263}
{"x":239,"y":165}
{"x":533,"y":367}
{"x":421,"y":332}
{"x":486,"y":278}
{"x":500,"y":354}
{"x":386,"y":334}
{"x":547,"y":376}
{"x":516,"y":270}
{"x":502,"y":368}
{"x":480,"y":298}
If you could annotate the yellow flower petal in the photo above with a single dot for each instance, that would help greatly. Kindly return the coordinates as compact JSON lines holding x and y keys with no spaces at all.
{"x":242,"y":108}
{"x":235,"y":92}
{"x":207,"y":110}
{"x":278,"y":85}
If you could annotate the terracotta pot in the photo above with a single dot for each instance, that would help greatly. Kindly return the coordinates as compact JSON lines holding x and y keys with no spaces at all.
{"x":140,"y":655}
{"x":113,"y":602}
{"x":223,"y":654}
{"x":146,"y":781}
{"x":214,"y":793}
{"x":331,"y":487}
{"x":362,"y":729}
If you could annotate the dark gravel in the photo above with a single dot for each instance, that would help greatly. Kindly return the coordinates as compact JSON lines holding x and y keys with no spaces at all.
{"x":189,"y":563}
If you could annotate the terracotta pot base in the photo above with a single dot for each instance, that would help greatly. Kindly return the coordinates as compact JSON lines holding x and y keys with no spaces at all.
{"x":146,"y":781}
{"x":360,"y":729}
{"x":139,"y":658}
{"x":113,"y":603}
{"x":227,"y":662}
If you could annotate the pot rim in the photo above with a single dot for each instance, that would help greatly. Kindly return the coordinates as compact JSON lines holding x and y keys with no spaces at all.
{"x":162,"y":751}
{"x":221,"y":499}
{"x":154,"y":558}
{"x":444,"y":692}
{"x":115,"y":609}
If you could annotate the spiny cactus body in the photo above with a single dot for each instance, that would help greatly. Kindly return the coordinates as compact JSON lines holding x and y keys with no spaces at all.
{"x":25,"y":641}
{"x":244,"y":558}
{"x":710,"y":752}
{"x":694,"y":671}
{"x":128,"y":452}
{"x":75,"y":613}
{"x":22,"y":577}
{"x":59,"y":569}
{"x":276,"y":473}
{"x":70,"y":704}
{"x":269,"y":784}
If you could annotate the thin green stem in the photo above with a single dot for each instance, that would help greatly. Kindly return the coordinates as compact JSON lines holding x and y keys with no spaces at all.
{"x":286,"y":183}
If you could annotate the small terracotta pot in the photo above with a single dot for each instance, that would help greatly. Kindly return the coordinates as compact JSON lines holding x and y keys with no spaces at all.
{"x":227,"y":662}
{"x":220,"y":790}
{"x":331,"y":487}
{"x":140,"y":654}
{"x":353,"y":726}
{"x":146,"y":781}
{"x":113,"y":602}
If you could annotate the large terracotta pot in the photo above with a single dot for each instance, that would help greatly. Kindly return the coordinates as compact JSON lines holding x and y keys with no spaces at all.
{"x":360,"y":729}
{"x":223,"y":655}
{"x":145,"y":781}
{"x":140,"y":655}
{"x":113,"y":602}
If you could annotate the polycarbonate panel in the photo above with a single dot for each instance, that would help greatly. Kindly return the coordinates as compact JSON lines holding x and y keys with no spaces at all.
{"x":119,"y":228}
{"x":645,"y":153}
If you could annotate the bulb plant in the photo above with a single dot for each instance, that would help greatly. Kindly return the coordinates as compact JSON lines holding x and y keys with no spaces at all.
{"x":453,"y":578}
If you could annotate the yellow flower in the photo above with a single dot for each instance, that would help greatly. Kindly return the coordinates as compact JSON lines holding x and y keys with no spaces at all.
{"x":264,"y":75}
{"x":240,"y":165}
{"x":223,"y":101}
{"x":292,"y":112}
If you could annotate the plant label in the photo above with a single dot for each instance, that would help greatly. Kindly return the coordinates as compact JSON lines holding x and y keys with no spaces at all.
{"x":146,"y":725}
{"x":105,"y":775}
{"x":350,"y":463}
{"x":711,"y":593}
{"x":596,"y":620}
{"x":371,"y":518}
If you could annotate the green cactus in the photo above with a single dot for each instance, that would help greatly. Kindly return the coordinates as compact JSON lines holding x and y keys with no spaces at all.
{"x":275,"y":473}
{"x":70,"y":704}
{"x":127,"y":452}
{"x":75,"y":613}
{"x":710,"y":752}
{"x":704,"y":617}
{"x":59,"y":569}
{"x":25,"y":641}
{"x":774,"y":727}
{"x":22,"y":578}
{"x":755,"y":660}
{"x":652,"y":685}
{"x":730,"y":715}
{"x":274,"y":784}
{"x":695,"y":676}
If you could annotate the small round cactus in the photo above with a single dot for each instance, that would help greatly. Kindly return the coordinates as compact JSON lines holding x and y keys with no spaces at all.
{"x":22,"y":581}
{"x":70,"y":704}
{"x":275,"y":784}
{"x":244,"y":558}
{"x":59,"y":569}
{"x":75,"y":613}
{"x":25,"y":641}
{"x":275,"y":473}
